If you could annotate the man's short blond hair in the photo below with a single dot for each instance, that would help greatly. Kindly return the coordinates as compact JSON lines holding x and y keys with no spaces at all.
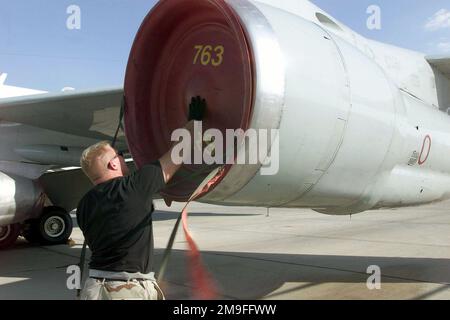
{"x":93,"y":160}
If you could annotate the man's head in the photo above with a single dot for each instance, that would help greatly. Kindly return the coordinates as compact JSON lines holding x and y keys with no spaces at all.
{"x":101,"y":163}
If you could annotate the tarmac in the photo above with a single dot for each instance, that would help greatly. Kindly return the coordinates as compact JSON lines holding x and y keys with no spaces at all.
{"x":281,"y":254}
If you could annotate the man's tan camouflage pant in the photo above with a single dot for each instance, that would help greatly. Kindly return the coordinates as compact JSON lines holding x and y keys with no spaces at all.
{"x":121,"y":290}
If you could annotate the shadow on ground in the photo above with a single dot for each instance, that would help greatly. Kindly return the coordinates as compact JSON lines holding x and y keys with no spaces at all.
{"x":40,"y":272}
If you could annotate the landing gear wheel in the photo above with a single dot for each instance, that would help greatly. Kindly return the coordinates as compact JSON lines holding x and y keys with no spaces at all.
{"x":53,"y":227}
{"x":31,"y":231}
{"x":8,"y":235}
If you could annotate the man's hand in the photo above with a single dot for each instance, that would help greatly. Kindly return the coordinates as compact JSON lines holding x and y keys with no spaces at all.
{"x":197,"y":109}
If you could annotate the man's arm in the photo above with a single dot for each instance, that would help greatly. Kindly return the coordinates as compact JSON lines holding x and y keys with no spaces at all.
{"x":169,"y":168}
{"x":197,"y":109}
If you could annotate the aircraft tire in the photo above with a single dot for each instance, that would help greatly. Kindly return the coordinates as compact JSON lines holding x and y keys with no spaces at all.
{"x":54,"y":226}
{"x":8,"y":235}
{"x":31,"y":232}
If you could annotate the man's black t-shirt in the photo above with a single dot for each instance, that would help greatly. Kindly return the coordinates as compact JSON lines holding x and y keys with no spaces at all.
{"x":116,"y":220}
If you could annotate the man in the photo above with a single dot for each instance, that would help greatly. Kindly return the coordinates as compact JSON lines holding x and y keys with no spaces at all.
{"x":116,"y":220}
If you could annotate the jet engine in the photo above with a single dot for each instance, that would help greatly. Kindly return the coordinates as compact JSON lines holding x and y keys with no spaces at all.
{"x":20,"y":199}
{"x":348,"y":139}
{"x":22,"y":211}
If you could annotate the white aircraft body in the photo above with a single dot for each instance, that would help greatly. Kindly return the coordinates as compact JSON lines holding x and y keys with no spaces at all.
{"x":362,"y":124}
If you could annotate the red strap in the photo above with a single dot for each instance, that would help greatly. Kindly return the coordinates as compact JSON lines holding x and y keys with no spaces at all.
{"x":204,"y":285}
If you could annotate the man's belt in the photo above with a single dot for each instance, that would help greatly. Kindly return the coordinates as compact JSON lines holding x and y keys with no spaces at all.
{"x":122,"y":280}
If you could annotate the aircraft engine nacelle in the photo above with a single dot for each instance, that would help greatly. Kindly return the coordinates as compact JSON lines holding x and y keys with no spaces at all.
{"x":349,"y":139}
{"x":20,"y":199}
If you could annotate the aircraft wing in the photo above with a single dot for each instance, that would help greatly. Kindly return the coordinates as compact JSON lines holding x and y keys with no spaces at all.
{"x":441,"y":68}
{"x":92,"y":114}
{"x":86,"y":114}
{"x":64,"y":194}
{"x":67,"y":195}
{"x":441,"y":62}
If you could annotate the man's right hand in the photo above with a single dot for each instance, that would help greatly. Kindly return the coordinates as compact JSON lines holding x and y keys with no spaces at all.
{"x":197,"y":109}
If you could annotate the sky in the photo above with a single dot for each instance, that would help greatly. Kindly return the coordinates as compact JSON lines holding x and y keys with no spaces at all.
{"x":84,"y":44}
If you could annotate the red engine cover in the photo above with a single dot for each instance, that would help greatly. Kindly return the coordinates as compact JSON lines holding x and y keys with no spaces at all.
{"x":186,"y":48}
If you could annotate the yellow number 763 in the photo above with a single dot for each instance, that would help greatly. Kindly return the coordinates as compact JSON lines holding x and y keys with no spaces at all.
{"x":209,"y":55}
